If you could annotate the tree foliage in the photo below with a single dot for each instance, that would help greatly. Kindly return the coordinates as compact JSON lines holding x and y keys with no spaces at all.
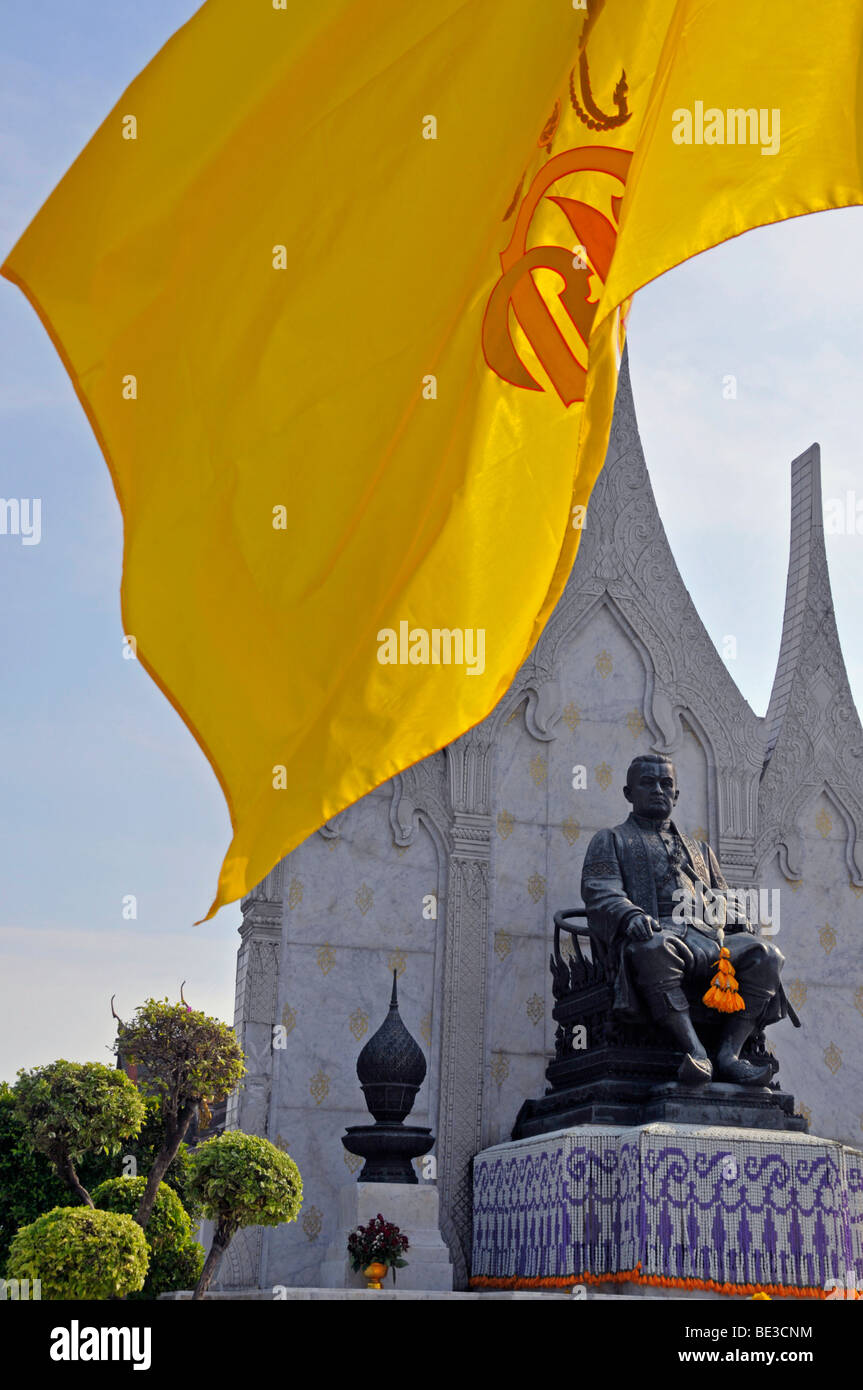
{"x":74,"y":1108}
{"x":184,"y":1059}
{"x":182,"y":1054}
{"x":176,"y":1259}
{"x":242,"y":1180}
{"x":79,"y":1253}
{"x":30,"y":1185}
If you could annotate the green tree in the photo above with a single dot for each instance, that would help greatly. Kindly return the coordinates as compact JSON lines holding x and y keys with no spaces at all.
{"x":79,"y":1253}
{"x":29,"y":1184}
{"x":73,"y":1108}
{"x":176,"y":1259}
{"x":242,"y":1180}
{"x":143,"y":1150}
{"x":184,"y":1059}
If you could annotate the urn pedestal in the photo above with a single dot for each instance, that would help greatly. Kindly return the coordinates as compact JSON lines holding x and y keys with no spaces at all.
{"x":415,"y":1210}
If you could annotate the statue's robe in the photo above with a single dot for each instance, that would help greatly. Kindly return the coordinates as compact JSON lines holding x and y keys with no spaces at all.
{"x":618,"y":883}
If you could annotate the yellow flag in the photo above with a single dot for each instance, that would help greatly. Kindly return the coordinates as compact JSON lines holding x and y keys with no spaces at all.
{"x":341,"y":288}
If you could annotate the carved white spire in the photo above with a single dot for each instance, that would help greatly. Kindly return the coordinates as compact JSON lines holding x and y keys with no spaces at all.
{"x":809,"y":611}
{"x":813,"y":732}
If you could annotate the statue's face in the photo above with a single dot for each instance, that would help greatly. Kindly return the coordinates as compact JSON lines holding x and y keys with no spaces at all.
{"x":653,"y":790}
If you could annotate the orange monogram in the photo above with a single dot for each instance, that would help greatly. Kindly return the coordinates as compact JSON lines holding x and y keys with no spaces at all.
{"x":595,"y":234}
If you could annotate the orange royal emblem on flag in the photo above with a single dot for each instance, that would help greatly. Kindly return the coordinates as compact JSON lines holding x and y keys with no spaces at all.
{"x":595,"y":235}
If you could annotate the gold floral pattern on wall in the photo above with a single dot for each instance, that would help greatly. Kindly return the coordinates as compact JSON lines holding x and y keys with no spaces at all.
{"x":295,"y":893}
{"x":502,"y":944}
{"x":505,"y":823}
{"x":858,"y":998}
{"x":833,"y":1058}
{"x":603,"y":775}
{"x":635,"y":723}
{"x":797,"y":991}
{"x":364,"y":898}
{"x":604,"y":664}
{"x":397,"y":962}
{"x":312,"y":1221}
{"x":795,"y":884}
{"x":359,"y":1023}
{"x":326,"y":958}
{"x":425,"y":1030}
{"x":538,"y":770}
{"x":319,"y":1087}
{"x":289,"y":1019}
{"x":535,"y":1009}
{"x":824,"y":822}
{"x":699,"y":833}
{"x":571,"y":830}
{"x":806,"y":1113}
{"x":536,"y":887}
{"x":499,"y":1068}
{"x":855,"y":889}
{"x":827,"y":937}
{"x":353,"y":1162}
{"x":572,"y":717}
{"x":515,"y":713}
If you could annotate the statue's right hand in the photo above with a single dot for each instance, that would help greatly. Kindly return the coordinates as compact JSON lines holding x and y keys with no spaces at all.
{"x":640,"y":928}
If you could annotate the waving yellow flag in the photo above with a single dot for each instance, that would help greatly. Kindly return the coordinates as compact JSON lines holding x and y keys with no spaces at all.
{"x":341,"y":288}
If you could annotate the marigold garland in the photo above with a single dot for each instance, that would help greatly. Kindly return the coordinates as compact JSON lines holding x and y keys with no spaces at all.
{"x":635,"y":1276}
{"x":724,"y":992}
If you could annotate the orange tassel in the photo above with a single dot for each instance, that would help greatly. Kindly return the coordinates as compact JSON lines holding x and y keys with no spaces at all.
{"x":724,"y":993}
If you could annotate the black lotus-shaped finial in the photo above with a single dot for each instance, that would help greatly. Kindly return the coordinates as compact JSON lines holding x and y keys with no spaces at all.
{"x":391,"y":1054}
{"x":391,"y":1066}
{"x":391,"y":1069}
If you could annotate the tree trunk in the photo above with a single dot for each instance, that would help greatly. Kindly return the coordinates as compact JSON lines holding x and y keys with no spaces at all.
{"x":66,"y":1169}
{"x":222,"y":1237}
{"x":162,"y":1162}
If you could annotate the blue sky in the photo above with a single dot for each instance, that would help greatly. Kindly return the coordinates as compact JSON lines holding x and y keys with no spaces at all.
{"x":104,"y":793}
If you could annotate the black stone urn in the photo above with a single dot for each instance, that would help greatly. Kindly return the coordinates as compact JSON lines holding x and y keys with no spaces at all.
{"x":391,"y":1069}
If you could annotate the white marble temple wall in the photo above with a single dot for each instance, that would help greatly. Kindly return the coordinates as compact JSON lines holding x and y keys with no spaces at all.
{"x":353,"y":912}
{"x":821,"y":937}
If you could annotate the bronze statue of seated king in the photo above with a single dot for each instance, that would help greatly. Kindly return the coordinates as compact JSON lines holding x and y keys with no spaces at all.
{"x":657,"y":901}
{"x":663,"y":1017}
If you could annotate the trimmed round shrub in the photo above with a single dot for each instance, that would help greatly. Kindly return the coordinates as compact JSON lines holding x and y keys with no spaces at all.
{"x":244,"y":1180}
{"x":241,"y":1180}
{"x":176,"y":1260}
{"x":79,"y":1253}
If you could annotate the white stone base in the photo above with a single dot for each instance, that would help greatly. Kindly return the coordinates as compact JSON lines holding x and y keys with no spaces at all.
{"x":415,"y":1211}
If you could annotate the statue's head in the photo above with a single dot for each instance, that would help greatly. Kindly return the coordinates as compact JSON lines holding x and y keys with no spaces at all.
{"x":651,"y":786}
